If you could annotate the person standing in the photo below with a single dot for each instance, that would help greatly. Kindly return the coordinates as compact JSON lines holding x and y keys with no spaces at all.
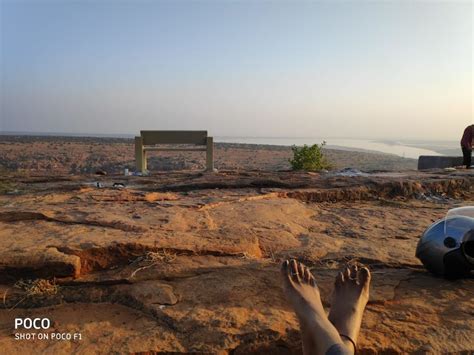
{"x":466,"y":145}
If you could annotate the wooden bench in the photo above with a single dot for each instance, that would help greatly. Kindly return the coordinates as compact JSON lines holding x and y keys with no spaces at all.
{"x":148,"y":141}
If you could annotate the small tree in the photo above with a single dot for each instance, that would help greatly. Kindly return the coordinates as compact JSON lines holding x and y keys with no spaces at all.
{"x":309,"y":158}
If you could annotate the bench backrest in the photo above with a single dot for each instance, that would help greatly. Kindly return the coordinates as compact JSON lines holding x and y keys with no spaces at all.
{"x":174,"y":137}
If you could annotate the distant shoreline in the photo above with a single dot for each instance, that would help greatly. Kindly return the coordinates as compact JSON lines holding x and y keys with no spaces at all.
{"x":402,"y":148}
{"x":13,"y":136}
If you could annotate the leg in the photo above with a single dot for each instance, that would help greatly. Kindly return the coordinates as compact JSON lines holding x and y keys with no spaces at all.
{"x":144,"y":163}
{"x":466,"y":153}
{"x":301,"y":290}
{"x":351,"y":293}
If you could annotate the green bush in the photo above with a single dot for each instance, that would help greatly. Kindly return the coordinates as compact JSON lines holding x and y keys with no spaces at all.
{"x":309,"y":158}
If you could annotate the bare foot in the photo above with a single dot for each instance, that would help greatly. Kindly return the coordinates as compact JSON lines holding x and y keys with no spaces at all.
{"x":301,"y":290}
{"x":351,"y":293}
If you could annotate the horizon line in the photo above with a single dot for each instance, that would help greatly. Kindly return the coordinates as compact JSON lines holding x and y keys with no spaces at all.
{"x":131,"y":135}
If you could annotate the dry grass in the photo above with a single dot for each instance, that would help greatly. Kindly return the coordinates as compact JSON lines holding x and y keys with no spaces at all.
{"x":33,"y":288}
{"x":6,"y":186}
{"x":38,"y":287}
{"x":152,"y":258}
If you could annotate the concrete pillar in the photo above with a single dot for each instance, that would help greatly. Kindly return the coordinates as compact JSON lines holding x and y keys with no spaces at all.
{"x":140,"y":156}
{"x":209,"y":154}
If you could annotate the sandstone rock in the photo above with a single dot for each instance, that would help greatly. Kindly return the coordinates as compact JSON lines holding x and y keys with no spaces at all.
{"x":38,"y":263}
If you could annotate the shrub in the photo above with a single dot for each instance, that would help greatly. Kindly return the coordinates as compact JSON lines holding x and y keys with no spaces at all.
{"x":309,"y":158}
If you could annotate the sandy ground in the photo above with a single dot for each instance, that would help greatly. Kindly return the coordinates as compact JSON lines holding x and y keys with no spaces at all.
{"x":78,"y":155}
{"x":188,"y":261}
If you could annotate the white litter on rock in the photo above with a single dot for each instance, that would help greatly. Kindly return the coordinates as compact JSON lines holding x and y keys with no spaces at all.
{"x":350,"y":172}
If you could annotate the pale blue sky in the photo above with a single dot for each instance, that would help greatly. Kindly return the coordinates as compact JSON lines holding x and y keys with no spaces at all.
{"x":251,"y":68}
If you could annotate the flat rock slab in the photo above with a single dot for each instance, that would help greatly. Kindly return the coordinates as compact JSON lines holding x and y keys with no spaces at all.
{"x":189,"y":262}
{"x":438,"y":162}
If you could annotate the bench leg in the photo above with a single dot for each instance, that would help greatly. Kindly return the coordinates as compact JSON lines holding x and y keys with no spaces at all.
{"x":209,"y":154}
{"x":140,"y":157}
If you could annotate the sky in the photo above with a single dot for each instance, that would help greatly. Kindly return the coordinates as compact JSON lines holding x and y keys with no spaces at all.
{"x":385,"y":70}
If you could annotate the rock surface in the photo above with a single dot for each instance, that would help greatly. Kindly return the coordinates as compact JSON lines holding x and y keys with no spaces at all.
{"x":199,"y":270}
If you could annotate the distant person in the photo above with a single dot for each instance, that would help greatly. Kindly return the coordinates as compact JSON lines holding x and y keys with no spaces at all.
{"x":337,"y":333}
{"x":466,"y":145}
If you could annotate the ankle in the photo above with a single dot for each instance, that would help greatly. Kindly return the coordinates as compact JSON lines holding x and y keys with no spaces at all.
{"x":349,"y":343}
{"x":340,"y":349}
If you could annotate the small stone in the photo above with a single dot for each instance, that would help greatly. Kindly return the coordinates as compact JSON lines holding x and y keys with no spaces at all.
{"x":153,"y":292}
{"x":426,"y":349}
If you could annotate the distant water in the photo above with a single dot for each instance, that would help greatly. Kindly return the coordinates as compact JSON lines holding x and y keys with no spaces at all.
{"x":397,"y":148}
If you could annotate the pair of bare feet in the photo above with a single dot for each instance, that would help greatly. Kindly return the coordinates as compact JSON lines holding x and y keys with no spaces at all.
{"x":338,"y":332}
